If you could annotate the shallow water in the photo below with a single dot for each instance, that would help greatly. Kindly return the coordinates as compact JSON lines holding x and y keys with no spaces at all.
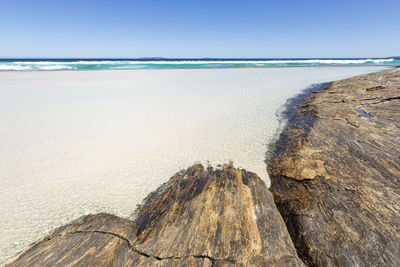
{"x":73,"y":143}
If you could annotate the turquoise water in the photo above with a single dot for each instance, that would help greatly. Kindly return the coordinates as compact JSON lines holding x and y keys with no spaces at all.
{"x":106,"y":64}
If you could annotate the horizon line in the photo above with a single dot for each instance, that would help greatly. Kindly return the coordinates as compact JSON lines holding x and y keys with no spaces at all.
{"x":195,"y":58}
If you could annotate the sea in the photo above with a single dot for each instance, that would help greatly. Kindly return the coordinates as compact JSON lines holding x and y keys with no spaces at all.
{"x":155,"y":63}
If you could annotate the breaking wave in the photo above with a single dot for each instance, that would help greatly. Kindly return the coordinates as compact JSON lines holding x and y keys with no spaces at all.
{"x":81,"y":64}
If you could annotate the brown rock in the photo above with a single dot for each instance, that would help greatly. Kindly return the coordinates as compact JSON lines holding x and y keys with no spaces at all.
{"x":335,"y":172}
{"x":200,"y":217}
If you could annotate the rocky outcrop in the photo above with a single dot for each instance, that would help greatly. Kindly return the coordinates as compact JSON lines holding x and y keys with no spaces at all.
{"x":200,"y":217}
{"x":335,"y":172}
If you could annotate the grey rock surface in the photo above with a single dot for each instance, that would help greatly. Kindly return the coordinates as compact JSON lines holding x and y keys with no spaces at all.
{"x":335,"y":172}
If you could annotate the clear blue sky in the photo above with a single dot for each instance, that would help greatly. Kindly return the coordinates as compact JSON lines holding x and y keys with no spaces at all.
{"x":202,"y":28}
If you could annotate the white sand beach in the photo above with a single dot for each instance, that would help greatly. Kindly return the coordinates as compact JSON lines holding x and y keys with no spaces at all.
{"x":80,"y":142}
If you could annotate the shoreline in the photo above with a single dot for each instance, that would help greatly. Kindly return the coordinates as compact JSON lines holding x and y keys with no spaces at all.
{"x":109,"y":116}
{"x":228,"y":67}
{"x":308,"y":116}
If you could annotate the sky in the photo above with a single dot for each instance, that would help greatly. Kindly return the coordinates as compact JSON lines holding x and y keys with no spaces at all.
{"x":203,"y":28}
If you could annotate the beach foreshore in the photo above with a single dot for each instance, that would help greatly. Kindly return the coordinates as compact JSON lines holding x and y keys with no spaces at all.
{"x":335,"y":175}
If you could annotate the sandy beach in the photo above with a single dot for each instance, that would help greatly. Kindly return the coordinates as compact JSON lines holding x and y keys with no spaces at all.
{"x":80,"y":142}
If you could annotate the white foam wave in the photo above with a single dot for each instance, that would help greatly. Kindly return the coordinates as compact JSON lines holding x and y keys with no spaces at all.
{"x":39,"y":62}
{"x":14,"y":67}
{"x":56,"y":67}
{"x":86,"y":62}
{"x":121,"y":64}
{"x":281,"y":61}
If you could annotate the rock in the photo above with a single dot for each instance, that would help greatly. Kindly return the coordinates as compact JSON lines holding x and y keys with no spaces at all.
{"x":200,"y":217}
{"x":335,"y":172}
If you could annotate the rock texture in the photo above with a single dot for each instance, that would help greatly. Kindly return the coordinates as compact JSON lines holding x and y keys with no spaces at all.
{"x":335,"y":172}
{"x":201,"y":217}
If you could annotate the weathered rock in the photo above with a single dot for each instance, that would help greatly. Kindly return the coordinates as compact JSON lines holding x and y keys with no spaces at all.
{"x":335,"y":172}
{"x":200,"y":217}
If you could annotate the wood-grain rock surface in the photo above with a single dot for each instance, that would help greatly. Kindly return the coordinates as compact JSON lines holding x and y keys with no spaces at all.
{"x":200,"y":217}
{"x":335,"y":172}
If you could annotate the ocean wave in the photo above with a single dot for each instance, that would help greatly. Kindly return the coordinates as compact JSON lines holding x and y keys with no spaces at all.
{"x":272,"y":61}
{"x":162,"y":63}
{"x":38,"y":62}
{"x":86,"y":62}
{"x":14,"y":67}
{"x":283,"y":61}
{"x":56,"y":67}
